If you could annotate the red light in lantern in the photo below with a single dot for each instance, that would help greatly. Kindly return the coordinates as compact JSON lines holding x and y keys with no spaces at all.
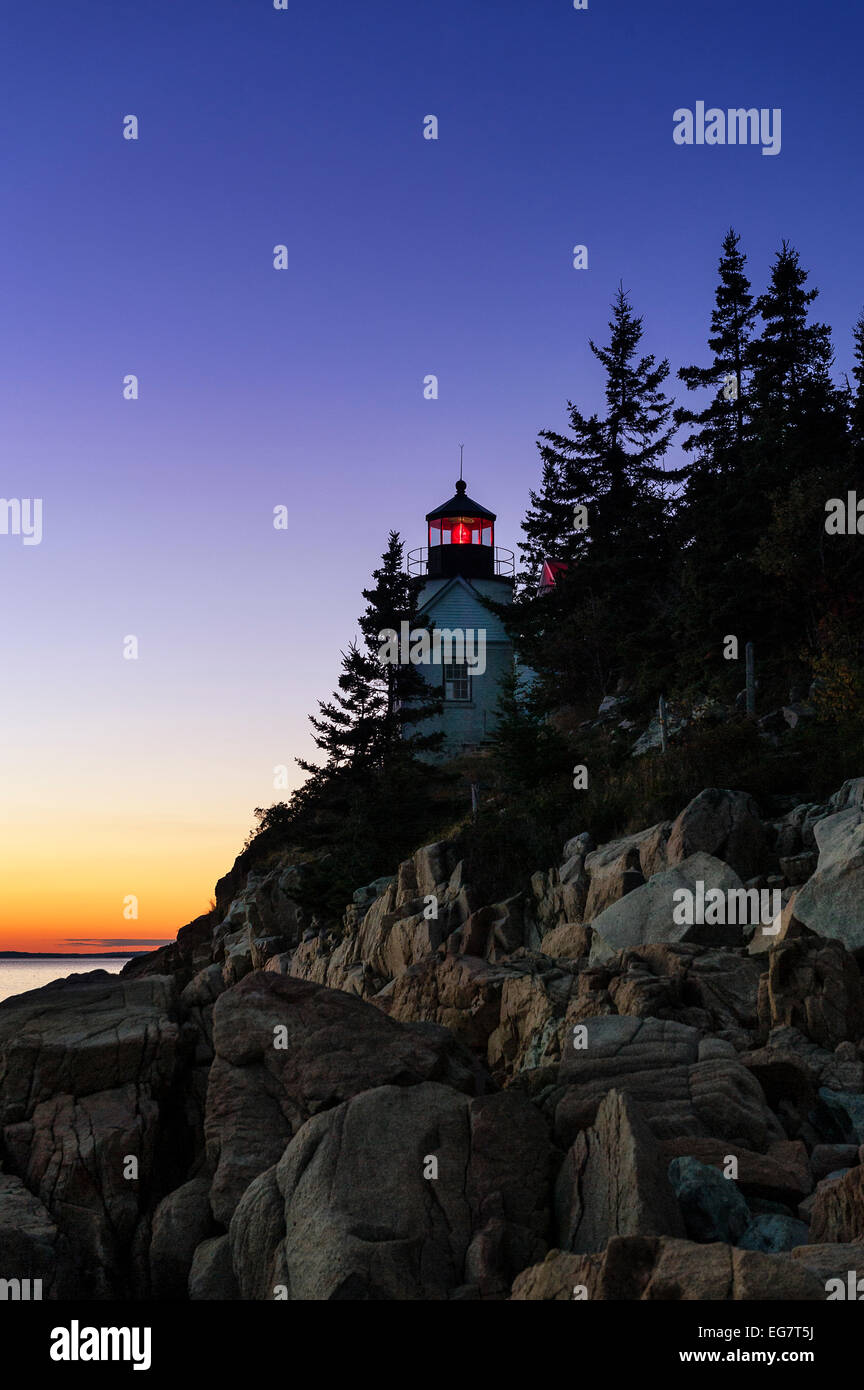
{"x":461,"y":534}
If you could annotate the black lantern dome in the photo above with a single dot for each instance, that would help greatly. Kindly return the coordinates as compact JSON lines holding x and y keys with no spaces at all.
{"x":461,"y":538}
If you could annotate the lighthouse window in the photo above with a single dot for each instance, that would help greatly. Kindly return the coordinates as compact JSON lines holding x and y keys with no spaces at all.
{"x":457,"y":682}
{"x":460,"y":530}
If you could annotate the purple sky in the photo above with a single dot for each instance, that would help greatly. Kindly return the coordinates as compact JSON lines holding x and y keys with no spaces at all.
{"x":304,"y":387}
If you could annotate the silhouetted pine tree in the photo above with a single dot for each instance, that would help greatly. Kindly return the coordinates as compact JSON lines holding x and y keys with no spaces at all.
{"x":798,"y":457}
{"x":599,"y":622}
{"x":723,"y":422}
{"x":349,"y":728}
{"x":751,"y":558}
{"x":548,"y":525}
{"x":369,"y":801}
{"x":817,"y":578}
{"x":856,"y":403}
{"x":408,"y":698}
{"x":714,"y":516}
{"x":791,"y":385}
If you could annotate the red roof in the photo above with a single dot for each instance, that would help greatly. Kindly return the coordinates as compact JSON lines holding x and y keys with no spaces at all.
{"x":549,"y":575}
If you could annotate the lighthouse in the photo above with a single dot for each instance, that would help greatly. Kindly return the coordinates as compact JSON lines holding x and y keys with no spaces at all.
{"x":461,"y":566}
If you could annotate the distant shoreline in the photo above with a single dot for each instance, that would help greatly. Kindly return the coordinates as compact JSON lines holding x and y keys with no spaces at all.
{"x":72,"y":955}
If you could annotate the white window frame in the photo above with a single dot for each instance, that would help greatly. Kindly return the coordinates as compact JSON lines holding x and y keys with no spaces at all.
{"x":457,"y":679}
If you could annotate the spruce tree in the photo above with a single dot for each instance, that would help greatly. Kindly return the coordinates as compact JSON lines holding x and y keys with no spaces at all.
{"x":349,"y":729}
{"x":722,"y":431}
{"x":791,"y":381}
{"x":599,"y":623}
{"x":818,"y":578}
{"x":798,"y":458}
{"x":369,"y":800}
{"x":714,"y":515}
{"x":856,"y":406}
{"x":409,"y":700}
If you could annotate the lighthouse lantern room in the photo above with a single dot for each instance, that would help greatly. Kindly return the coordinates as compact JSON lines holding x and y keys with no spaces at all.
{"x":462,"y":569}
{"x":461,"y":538}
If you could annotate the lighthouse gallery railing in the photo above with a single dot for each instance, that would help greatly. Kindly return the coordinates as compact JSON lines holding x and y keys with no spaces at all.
{"x":418,"y":561}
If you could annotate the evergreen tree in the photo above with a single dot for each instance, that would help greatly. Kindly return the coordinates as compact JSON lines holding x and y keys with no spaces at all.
{"x":714,"y":515}
{"x":528,"y":752}
{"x":723,"y":422}
{"x":408,"y":699}
{"x":367,"y":726}
{"x":856,"y":404}
{"x":549,"y":520}
{"x":749,"y":515}
{"x":798,"y":458}
{"x":791,"y":373}
{"x":350,"y":728}
{"x":599,"y":622}
{"x":819,"y":578}
{"x":369,"y":800}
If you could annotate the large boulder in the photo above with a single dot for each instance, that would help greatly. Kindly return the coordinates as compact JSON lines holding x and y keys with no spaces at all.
{"x":531,"y":1019}
{"x":400,"y":1193}
{"x":815,"y":986}
{"x":615,"y":869}
{"x":459,"y":992}
{"x":181,"y":1222}
{"x":831,"y":1261}
{"x":712,"y":1206}
{"x":287,"y":1049}
{"x":552,"y":902}
{"x":709,"y":988}
{"x":262,"y":919}
{"x":726,"y":825}
{"x":256,"y":1238}
{"x":84,"y":1034}
{"x":648,"y":913}
{"x":398,"y":929}
{"x":787,"y":1048}
{"x":211,"y":1276}
{"x":181,"y":959}
{"x":198,"y":998}
{"x":657,"y":1062}
{"x":847,"y":1110}
{"x":571,"y":941}
{"x":831,"y":903}
{"x":663,"y":1269}
{"x":29,"y":1245}
{"x":90,"y":1078}
{"x":774,"y":1232}
{"x":780,"y":1175}
{"x":851,"y":794}
{"x":838,"y":1210}
{"x":73,"y":1154}
{"x":612,"y":1182}
{"x":769,"y":935}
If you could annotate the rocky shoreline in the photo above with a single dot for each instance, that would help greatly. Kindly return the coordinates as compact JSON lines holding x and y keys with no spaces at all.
{"x":564,"y":1094}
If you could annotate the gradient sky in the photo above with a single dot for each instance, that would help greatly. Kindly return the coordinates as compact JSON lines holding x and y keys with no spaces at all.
{"x":304,"y":387}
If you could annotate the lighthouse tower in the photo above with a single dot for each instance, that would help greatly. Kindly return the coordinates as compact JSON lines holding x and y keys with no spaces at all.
{"x":461,"y":565}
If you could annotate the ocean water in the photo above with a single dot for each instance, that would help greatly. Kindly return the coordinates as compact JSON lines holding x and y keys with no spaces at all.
{"x":17,"y":976}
